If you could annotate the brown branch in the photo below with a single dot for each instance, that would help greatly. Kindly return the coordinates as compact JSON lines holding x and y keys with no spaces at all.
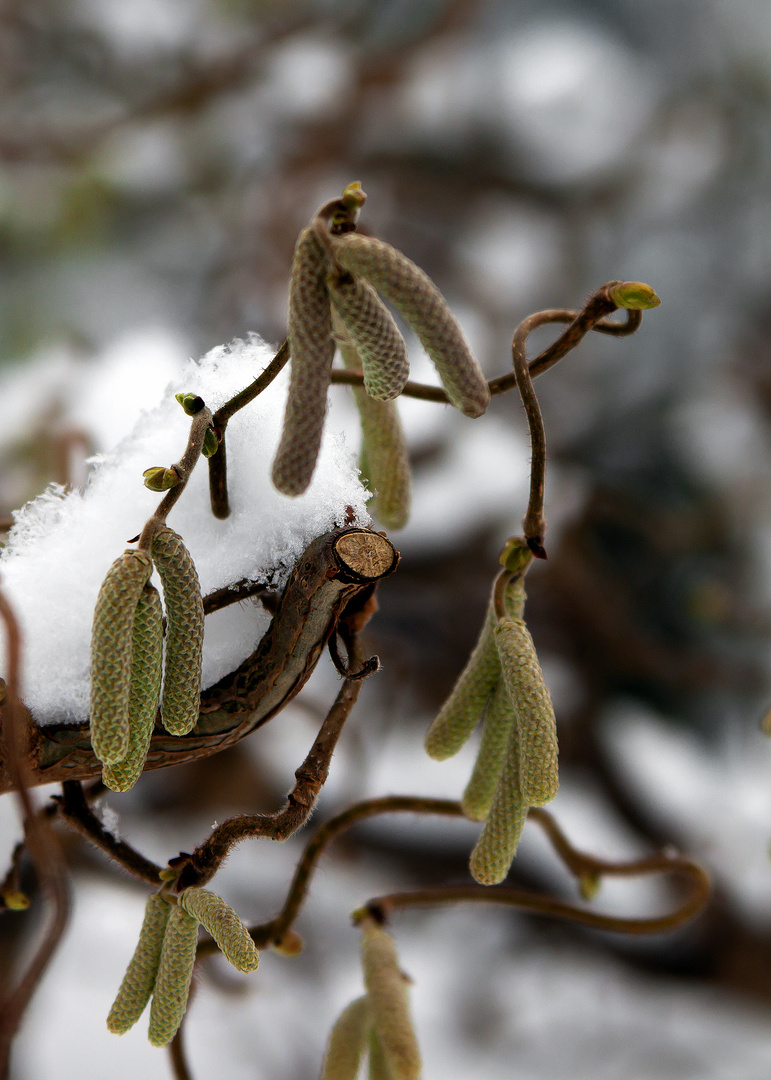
{"x":199,"y":868}
{"x":333,"y":569}
{"x":232,"y":594}
{"x":218,"y":468}
{"x":589,"y":870}
{"x":41,"y":844}
{"x":74,"y":810}
{"x":183,"y":468}
{"x":596,"y":308}
{"x":503,"y":383}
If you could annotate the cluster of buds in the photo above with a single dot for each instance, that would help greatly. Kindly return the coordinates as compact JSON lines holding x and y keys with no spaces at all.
{"x":336,"y":277}
{"x":517,"y":763}
{"x":127,"y":661}
{"x":379,"y":1022}
{"x":162,"y":965}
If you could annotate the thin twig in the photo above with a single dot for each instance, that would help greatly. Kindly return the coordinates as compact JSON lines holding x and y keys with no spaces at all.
{"x":74,"y":809}
{"x":232,"y":594}
{"x":596,"y":308}
{"x":177,"y":1058}
{"x":184,"y":467}
{"x":197,"y":869}
{"x":583,"y":866}
{"x":41,"y":844}
{"x":218,"y":469}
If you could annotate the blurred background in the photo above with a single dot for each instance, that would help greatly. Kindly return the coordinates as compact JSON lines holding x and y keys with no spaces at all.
{"x":157,"y":160}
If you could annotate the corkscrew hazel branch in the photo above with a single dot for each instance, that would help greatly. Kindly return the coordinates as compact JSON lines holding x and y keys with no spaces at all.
{"x":41,"y":843}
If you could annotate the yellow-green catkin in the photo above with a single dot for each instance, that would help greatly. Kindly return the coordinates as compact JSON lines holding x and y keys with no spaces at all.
{"x":311,"y":349}
{"x":500,"y":719}
{"x":459,"y":715}
{"x":175,"y":971}
{"x":139,"y":980}
{"x":387,"y":990}
{"x":538,"y":753}
{"x":377,"y":1065}
{"x":418,"y":300}
{"x":347,"y":1040}
{"x":146,"y":669}
{"x":373,"y":333}
{"x":224,"y":925}
{"x":111,"y":644}
{"x":384,"y":464}
{"x":497,"y":844}
{"x":184,"y":632}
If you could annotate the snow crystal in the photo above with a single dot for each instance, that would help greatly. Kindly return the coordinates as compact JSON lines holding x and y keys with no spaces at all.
{"x":62,"y":544}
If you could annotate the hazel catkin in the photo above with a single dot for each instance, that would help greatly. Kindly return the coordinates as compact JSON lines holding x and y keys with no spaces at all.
{"x":220,"y":920}
{"x":139,"y":980}
{"x":175,"y":970}
{"x":373,"y":334}
{"x":387,"y":992}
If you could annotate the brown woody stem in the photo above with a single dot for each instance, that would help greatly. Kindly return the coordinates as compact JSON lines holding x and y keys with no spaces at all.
{"x":40,"y":840}
{"x":582,"y":865}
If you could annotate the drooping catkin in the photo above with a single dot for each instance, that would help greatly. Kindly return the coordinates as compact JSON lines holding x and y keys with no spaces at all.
{"x":224,"y":925}
{"x":420,"y":303}
{"x":175,"y":971}
{"x":347,"y":1040}
{"x":538,"y":753}
{"x":146,"y":669}
{"x":139,"y":980}
{"x":373,"y":333}
{"x":377,"y":1065}
{"x":111,"y":644}
{"x":497,"y":844}
{"x":184,"y":632}
{"x":387,"y":992}
{"x":311,"y":350}
{"x":458,"y":716}
{"x":384,"y":462}
{"x":500,"y":718}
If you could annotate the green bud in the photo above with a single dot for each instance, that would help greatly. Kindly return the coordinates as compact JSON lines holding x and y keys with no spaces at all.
{"x":191,"y":403}
{"x":589,"y":885}
{"x":635,"y":295}
{"x":353,"y":197}
{"x":160,"y":479}
{"x":211,"y":444}
{"x":15,"y":900}
{"x":515,"y":556}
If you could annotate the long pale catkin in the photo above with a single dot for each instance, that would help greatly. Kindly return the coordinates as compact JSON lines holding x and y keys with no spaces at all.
{"x":384,"y":462}
{"x":420,"y":303}
{"x":387,"y":992}
{"x":146,"y":670}
{"x":459,"y":715}
{"x":311,"y":350}
{"x":500,"y":718}
{"x":175,"y":971}
{"x":111,"y":644}
{"x":224,"y":925}
{"x":538,"y":752}
{"x":347,"y":1040}
{"x":139,"y":980}
{"x":373,"y":333}
{"x":184,"y":632}
{"x":497,"y":844}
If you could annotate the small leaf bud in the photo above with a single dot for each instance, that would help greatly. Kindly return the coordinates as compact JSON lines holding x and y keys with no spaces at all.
{"x":160,"y":479}
{"x":15,"y":900}
{"x":191,"y":403}
{"x":210,"y":444}
{"x":635,"y":295}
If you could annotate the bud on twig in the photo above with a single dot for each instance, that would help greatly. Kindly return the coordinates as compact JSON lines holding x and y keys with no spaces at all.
{"x":312,"y":350}
{"x":224,"y":925}
{"x":159,"y":478}
{"x":111,"y":644}
{"x":418,"y":300}
{"x":191,"y":403}
{"x":145,"y":689}
{"x":634,"y":294}
{"x":387,"y":992}
{"x":175,"y":970}
{"x":184,"y":632}
{"x":139,"y":980}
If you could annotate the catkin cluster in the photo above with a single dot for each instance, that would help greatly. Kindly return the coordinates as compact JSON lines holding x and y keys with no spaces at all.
{"x":127,"y":656}
{"x":516,"y":766}
{"x":337,"y":275}
{"x":379,"y":1022}
{"x":162,"y":964}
